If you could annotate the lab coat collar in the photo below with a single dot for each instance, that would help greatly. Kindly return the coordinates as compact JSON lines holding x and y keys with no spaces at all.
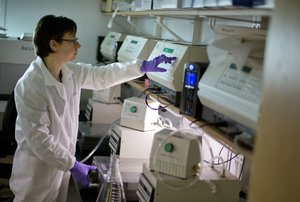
{"x":51,"y":81}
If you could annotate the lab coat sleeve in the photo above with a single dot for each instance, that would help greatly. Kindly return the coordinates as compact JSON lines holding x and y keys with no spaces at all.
{"x":33,"y":127}
{"x":100,"y":77}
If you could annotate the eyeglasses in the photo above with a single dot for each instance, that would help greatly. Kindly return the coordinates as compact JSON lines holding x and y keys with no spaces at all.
{"x":74,"y":41}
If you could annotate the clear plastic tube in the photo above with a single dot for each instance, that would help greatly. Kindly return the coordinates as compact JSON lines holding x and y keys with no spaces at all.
{"x":100,"y":141}
{"x":223,"y":164}
{"x":165,"y":122}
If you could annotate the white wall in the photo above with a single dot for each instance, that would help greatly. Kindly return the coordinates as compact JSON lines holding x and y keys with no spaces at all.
{"x":22,"y":16}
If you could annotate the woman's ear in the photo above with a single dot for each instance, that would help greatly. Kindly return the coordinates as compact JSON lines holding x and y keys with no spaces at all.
{"x":53,"y":45}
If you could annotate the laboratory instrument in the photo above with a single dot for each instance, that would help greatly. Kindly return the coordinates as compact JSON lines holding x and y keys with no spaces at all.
{"x":109,"y":49}
{"x":126,"y":142}
{"x":141,"y":5}
{"x":190,"y":104}
{"x":233,"y":91}
{"x":170,"y":82}
{"x":112,"y":188}
{"x":105,"y":113}
{"x":161,"y":4}
{"x":135,"y":47}
{"x":175,"y":173}
{"x":137,"y":115}
{"x":175,"y":153}
{"x":15,"y":57}
{"x":159,"y":187}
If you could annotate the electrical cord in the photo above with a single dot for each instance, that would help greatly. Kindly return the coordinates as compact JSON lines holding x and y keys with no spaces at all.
{"x":216,"y":124}
{"x":242,"y":169}
{"x":158,"y":99}
{"x":147,"y":103}
{"x":159,"y":94}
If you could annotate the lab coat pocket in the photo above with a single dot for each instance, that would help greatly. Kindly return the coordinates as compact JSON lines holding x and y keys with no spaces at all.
{"x":29,"y":171}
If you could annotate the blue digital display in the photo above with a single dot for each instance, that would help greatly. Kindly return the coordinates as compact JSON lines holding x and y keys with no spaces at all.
{"x":190,"y":79}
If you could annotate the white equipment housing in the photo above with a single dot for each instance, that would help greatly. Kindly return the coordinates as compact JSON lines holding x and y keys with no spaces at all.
{"x":98,"y":112}
{"x":175,"y":153}
{"x":184,"y":53}
{"x":108,"y":49}
{"x":108,"y":46}
{"x":137,"y":115}
{"x":235,"y":91}
{"x":159,"y":187}
{"x":108,"y":95}
{"x":131,"y":143}
{"x":135,"y":47}
{"x":15,"y":57}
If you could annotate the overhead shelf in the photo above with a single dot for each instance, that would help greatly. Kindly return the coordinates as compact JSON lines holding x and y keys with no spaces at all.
{"x":200,"y":12}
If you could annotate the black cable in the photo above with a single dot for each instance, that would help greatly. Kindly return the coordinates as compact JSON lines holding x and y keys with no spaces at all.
{"x":242,"y":169}
{"x":230,"y":161}
{"x":192,"y":122}
{"x":152,"y":90}
{"x":160,"y":107}
{"x":146,"y":101}
{"x":220,"y":152}
{"x":160,"y":98}
{"x":216,"y":124}
{"x":201,"y":126}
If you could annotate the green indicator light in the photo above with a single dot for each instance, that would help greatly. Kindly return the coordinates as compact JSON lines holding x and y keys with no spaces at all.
{"x":169,"y":147}
{"x":133,"y":109}
{"x":168,"y":50}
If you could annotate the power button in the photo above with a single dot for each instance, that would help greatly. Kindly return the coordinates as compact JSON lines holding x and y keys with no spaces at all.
{"x":169,"y":147}
{"x":133,"y":109}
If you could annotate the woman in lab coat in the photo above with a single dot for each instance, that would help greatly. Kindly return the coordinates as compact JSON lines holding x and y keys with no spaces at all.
{"x":47,"y":100}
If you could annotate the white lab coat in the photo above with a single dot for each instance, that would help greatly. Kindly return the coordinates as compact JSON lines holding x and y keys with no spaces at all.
{"x":47,"y":125}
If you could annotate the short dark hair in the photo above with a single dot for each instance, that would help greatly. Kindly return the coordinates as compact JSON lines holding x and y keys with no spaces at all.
{"x":51,"y":27}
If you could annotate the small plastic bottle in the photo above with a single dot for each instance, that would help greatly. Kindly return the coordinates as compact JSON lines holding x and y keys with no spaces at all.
{"x":112,"y":189}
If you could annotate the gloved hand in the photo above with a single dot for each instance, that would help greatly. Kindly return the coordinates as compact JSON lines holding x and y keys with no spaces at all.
{"x":80,"y":173}
{"x":151,"y":66}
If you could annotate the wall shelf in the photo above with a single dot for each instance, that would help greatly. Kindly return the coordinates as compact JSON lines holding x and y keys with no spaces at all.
{"x":214,"y":12}
{"x":209,"y":130}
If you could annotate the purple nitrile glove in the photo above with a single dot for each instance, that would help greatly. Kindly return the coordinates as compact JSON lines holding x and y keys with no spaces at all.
{"x":151,"y":66}
{"x":80,"y":173}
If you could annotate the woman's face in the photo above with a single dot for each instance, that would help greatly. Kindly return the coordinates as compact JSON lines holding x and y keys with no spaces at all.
{"x":68,"y":47}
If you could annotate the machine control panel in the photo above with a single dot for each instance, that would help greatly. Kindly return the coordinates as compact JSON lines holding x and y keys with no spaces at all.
{"x":135,"y":47}
{"x":171,"y":81}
